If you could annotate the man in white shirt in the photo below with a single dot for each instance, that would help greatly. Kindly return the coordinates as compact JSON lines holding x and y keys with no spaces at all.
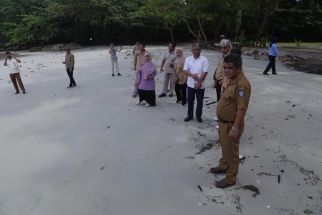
{"x":196,"y":68}
{"x":12,"y":63}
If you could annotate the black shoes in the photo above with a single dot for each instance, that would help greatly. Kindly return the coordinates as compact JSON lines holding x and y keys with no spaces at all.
{"x":171,"y":95}
{"x":162,"y":95}
{"x":113,"y":74}
{"x":199,"y":120}
{"x":17,"y":92}
{"x":188,"y":119}
{"x":24,"y":92}
{"x":119,"y":74}
{"x":265,"y":73}
{"x":274,"y":73}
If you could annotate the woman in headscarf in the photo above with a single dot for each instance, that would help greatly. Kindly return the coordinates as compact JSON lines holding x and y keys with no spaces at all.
{"x":145,"y":80}
{"x":272,"y":54}
{"x":179,"y":78}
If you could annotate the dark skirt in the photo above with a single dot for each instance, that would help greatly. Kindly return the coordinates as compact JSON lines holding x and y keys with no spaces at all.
{"x":148,"y":96}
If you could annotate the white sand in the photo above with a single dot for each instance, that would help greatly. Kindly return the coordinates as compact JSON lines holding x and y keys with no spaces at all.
{"x":55,"y":143}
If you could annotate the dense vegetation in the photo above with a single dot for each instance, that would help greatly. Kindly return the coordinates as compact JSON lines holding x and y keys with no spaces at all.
{"x":34,"y":22}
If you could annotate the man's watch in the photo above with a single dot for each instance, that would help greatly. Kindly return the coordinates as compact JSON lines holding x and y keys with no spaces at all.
{"x":234,"y":129}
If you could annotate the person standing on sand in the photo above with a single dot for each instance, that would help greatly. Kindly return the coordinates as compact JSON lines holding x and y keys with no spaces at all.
{"x":219,"y":73}
{"x":114,"y":59}
{"x":231,"y":111}
{"x":12,"y":63}
{"x":145,"y":80}
{"x":137,"y":63}
{"x":69,"y":64}
{"x":272,"y":54}
{"x":179,"y":78}
{"x":168,"y":62}
{"x":136,"y":48}
{"x":196,"y":68}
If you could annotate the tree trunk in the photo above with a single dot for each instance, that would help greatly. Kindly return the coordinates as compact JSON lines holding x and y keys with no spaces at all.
{"x":188,"y":26}
{"x":171,"y":34}
{"x":262,"y":26}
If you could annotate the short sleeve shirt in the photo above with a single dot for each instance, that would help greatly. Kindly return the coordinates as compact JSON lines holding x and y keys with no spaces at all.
{"x":13,"y":66}
{"x":139,"y":58}
{"x":136,"y":48}
{"x":235,"y":97}
{"x":169,"y":62}
{"x":198,"y":67}
{"x":113,"y":54}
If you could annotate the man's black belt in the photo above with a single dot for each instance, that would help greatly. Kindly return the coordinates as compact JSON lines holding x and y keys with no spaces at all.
{"x":224,"y":121}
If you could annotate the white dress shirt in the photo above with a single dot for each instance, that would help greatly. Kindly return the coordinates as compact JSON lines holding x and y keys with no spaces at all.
{"x":198,"y":67}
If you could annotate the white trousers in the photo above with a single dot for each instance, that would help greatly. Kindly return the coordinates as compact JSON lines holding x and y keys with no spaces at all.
{"x":117,"y":66}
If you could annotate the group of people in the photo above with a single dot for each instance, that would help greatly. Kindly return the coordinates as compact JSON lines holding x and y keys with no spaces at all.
{"x":187,"y":75}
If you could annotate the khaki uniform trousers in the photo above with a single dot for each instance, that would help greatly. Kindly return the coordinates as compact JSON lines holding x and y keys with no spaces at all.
{"x":168,"y":77}
{"x":230,"y":150}
{"x":14,"y":78}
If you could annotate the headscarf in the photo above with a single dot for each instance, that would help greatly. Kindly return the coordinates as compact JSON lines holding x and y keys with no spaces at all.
{"x":147,"y":67}
{"x":181,"y":59}
{"x":274,"y":40}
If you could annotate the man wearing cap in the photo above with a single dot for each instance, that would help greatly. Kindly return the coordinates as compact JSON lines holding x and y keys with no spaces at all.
{"x":69,"y":64}
{"x":12,"y":63}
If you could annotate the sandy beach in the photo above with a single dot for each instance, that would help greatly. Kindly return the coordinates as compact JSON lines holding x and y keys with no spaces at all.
{"x":90,"y":150}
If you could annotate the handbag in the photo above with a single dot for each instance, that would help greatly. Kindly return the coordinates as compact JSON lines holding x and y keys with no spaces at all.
{"x":175,"y":79}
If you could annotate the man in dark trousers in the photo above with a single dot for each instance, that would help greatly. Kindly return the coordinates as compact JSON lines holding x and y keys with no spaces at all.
{"x":69,"y":64}
{"x":196,"y":68}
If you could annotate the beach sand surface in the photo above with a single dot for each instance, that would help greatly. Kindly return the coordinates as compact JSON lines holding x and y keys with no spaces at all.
{"x":90,"y":150}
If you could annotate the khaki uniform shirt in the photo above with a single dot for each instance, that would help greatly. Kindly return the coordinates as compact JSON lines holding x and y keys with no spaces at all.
{"x":219,"y":74}
{"x":235,"y":97}
{"x":69,"y":61}
{"x":179,"y":72}
{"x":169,"y":62}
{"x":138,"y":59}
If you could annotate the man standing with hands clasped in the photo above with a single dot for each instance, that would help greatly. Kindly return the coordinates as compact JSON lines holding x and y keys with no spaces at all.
{"x":231,"y":111}
{"x":69,"y":64}
{"x":168,"y":63}
{"x":12,"y":63}
{"x":196,"y":68}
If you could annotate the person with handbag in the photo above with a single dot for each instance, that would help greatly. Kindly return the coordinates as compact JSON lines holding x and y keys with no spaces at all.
{"x":180,"y":79}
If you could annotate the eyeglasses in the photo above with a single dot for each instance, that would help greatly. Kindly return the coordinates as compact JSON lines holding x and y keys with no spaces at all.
{"x":223,"y":47}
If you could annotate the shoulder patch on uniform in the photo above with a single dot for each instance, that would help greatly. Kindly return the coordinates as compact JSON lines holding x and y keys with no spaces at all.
{"x":241,"y":93}
{"x":241,"y":88}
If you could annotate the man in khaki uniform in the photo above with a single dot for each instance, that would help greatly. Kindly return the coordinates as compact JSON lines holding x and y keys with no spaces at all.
{"x":219,"y":73}
{"x":69,"y":64}
{"x":137,"y":63}
{"x":168,"y":64}
{"x":231,"y":111}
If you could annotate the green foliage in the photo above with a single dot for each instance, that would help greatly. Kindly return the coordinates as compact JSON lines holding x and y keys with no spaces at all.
{"x":262,"y":42}
{"x":298,"y":42}
{"x":308,"y":212}
{"x":241,"y":41}
{"x":32,"y":21}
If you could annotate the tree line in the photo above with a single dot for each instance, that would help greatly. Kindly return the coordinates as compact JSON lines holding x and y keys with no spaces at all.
{"x":34,"y":22}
